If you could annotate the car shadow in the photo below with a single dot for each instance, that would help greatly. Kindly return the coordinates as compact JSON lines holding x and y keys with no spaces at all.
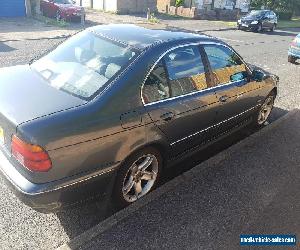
{"x":5,"y":48}
{"x":85,"y":215}
{"x":282,"y":32}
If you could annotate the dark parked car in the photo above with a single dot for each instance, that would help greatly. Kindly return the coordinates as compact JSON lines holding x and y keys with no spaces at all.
{"x":61,"y":9}
{"x":108,"y":109}
{"x":258,"y":20}
{"x":294,"y":50}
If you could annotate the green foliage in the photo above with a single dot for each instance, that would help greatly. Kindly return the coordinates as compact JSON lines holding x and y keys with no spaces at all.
{"x":285,"y":8}
{"x":179,"y":3}
{"x":153,"y":18}
{"x":284,"y":15}
{"x":49,"y":21}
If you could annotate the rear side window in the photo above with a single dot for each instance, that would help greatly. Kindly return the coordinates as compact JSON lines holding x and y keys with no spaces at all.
{"x":179,"y":72}
{"x":156,"y":86}
{"x":185,"y":70}
{"x":225,"y":64}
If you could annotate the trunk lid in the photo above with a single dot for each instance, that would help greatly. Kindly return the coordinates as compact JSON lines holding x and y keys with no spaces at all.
{"x":24,"y":96}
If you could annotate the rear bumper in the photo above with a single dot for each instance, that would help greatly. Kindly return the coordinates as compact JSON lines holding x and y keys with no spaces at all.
{"x":53,"y":196}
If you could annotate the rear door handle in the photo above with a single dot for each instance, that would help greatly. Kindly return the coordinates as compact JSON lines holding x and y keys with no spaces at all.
{"x":167,"y":116}
{"x":223,"y":98}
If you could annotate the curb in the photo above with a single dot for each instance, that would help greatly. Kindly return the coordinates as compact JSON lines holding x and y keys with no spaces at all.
{"x":93,"y":232}
{"x":37,"y":39}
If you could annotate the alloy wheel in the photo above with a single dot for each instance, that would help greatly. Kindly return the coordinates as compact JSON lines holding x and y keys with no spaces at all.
{"x":140,"y":178}
{"x":265,"y":110}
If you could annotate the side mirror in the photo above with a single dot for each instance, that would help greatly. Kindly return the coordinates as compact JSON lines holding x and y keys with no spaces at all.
{"x":258,"y":75}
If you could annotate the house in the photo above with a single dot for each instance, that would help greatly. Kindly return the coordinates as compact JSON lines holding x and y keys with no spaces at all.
{"x":12,"y":8}
{"x":206,"y":9}
{"x":120,"y":6}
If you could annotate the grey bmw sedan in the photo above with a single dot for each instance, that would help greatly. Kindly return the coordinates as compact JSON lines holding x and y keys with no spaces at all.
{"x":104,"y":112}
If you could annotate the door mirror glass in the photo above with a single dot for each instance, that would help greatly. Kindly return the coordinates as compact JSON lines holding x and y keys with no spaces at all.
{"x":258,"y":75}
{"x":239,"y":76}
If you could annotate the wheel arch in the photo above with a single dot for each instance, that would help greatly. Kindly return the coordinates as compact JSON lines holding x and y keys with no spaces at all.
{"x":160,"y":146}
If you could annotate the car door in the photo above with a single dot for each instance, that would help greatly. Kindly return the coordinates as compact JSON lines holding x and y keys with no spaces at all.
{"x":179,"y":98}
{"x":52,"y":8}
{"x":267,"y":20}
{"x":237,"y":93}
{"x":273,"y":19}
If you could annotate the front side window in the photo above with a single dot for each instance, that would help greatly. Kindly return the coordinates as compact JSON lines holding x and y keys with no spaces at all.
{"x":185,"y":70}
{"x":226,"y":66}
{"x":84,"y":64}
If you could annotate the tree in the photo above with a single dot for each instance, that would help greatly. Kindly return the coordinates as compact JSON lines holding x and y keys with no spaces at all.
{"x":280,"y":5}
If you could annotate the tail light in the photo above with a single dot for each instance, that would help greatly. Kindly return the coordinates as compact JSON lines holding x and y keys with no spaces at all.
{"x":33,"y":157}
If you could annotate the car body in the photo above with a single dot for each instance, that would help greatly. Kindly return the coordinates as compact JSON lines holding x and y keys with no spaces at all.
{"x":61,"y":9}
{"x":115,"y":95}
{"x":258,"y":20}
{"x":294,"y":50}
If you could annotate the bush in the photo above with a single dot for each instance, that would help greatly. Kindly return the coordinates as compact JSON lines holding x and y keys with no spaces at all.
{"x":284,"y":15}
{"x":179,"y":3}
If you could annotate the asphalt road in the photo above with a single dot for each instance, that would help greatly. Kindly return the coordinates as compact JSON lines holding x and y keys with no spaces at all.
{"x":250,"y":188}
{"x":22,"y":228}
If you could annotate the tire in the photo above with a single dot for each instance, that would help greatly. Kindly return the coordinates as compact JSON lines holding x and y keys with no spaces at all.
{"x":131,"y":184}
{"x":266,"y":108}
{"x":259,"y":28}
{"x":291,"y":59}
{"x":273,"y":27}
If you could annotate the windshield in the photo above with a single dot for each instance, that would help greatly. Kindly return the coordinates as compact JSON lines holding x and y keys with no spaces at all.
{"x":64,"y":1}
{"x":256,"y":13}
{"x":84,"y":64}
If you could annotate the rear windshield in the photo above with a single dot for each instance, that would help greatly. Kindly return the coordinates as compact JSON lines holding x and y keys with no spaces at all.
{"x":84,"y":64}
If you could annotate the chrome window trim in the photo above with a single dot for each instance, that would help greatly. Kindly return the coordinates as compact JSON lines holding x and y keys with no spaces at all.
{"x":191,"y":93}
{"x":215,"y":125}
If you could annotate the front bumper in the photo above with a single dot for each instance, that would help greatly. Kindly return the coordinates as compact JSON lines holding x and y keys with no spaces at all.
{"x":74,"y":16}
{"x":295,"y":52}
{"x":247,"y":26}
{"x":52,"y":196}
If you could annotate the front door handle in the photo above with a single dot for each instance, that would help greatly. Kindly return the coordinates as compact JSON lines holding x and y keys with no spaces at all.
{"x":223,"y":98}
{"x":167,"y":116}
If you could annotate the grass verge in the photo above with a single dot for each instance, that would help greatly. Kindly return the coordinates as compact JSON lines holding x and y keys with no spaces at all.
{"x":294,"y":23}
{"x":50,"y":21}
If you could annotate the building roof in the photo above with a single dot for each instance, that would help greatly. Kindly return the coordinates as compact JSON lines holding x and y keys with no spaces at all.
{"x":140,"y":37}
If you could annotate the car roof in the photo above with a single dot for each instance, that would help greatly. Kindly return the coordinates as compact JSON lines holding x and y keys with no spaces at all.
{"x":141,"y":38}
